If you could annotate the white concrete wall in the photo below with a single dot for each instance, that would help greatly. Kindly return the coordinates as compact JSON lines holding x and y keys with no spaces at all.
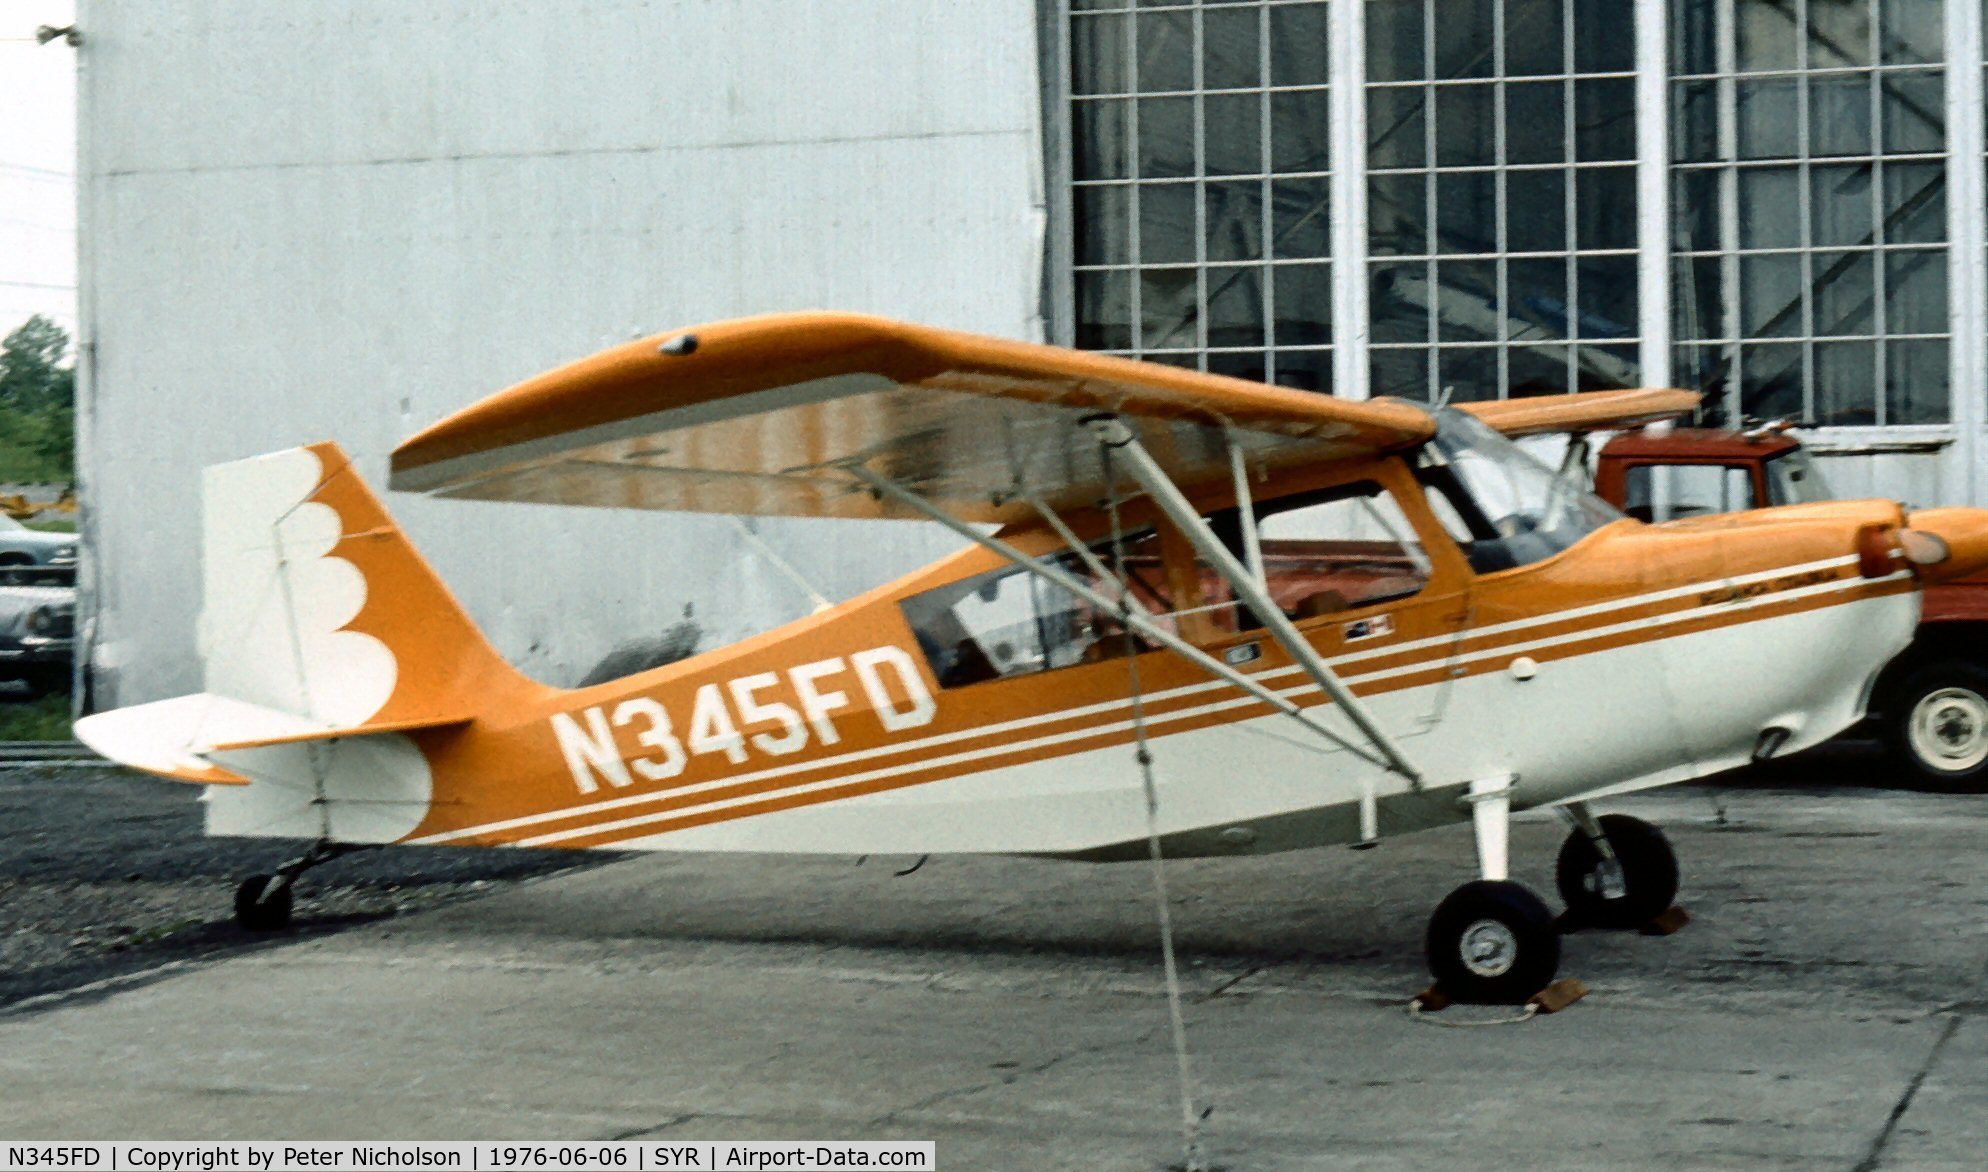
{"x":345,"y":220}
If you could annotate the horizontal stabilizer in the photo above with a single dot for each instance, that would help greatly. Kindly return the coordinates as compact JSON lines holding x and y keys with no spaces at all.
{"x":173,"y":738}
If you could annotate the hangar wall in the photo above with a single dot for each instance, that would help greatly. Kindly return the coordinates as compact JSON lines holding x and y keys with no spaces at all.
{"x":316,"y":221}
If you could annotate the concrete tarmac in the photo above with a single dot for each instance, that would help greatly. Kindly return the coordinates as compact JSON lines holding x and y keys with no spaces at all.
{"x":1827,"y":1007}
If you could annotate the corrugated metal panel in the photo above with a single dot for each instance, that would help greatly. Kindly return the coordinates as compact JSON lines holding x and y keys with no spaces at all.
{"x":343,"y":223}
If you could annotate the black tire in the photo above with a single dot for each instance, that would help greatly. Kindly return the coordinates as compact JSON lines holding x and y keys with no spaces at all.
{"x":254,"y":912}
{"x":1936,"y":725}
{"x":1649,"y":875}
{"x":1493,"y":942}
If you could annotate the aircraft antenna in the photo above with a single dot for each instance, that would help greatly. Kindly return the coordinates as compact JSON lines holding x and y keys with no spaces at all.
{"x":1190,"y":1118}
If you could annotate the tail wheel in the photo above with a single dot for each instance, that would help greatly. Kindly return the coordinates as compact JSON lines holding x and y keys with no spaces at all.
{"x":1937,"y":725}
{"x":256,"y":911}
{"x":1637,"y":889}
{"x":1493,"y":942}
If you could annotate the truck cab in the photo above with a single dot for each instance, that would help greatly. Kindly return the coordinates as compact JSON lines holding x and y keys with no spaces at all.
{"x":1931,"y":703}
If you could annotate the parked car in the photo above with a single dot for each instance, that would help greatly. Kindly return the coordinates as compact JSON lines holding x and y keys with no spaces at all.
{"x":1931,"y":703}
{"x":22,"y":546}
{"x":37,"y":634}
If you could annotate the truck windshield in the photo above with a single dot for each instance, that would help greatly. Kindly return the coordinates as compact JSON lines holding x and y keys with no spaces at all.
{"x":1515,"y":510}
{"x":1793,"y":479}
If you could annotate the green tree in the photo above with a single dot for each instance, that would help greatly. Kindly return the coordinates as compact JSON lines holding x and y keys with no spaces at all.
{"x":37,"y":403}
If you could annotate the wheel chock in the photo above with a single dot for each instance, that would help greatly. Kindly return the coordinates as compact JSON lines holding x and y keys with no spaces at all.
{"x":1559,"y":995}
{"x":1667,"y":923}
{"x":1429,"y":1000}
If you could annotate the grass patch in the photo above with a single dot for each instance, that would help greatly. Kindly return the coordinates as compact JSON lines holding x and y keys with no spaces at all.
{"x":53,"y":525}
{"x":43,"y":719}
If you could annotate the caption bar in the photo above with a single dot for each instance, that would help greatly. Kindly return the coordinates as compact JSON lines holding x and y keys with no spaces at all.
{"x":280,"y":1156}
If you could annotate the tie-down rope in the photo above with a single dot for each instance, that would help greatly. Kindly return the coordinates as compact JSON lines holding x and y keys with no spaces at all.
{"x":1190,"y":1119}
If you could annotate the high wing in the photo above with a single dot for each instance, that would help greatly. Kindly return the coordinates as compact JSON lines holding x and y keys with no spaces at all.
{"x":1586,"y":411}
{"x":764,"y":415}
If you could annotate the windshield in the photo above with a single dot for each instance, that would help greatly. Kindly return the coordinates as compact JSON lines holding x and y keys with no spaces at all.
{"x":1515,"y":510}
{"x":1793,"y":479}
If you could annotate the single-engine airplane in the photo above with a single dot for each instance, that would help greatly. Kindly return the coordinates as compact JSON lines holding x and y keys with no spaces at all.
{"x":1316,"y":621}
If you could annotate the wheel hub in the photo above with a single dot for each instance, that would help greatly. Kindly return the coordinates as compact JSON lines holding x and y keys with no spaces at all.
{"x":1948,"y":729}
{"x":1489,"y":948}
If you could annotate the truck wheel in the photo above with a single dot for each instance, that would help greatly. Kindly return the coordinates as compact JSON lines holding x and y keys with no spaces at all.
{"x":1937,"y":724}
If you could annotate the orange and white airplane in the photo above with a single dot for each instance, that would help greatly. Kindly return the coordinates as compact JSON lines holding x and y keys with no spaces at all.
{"x":1289,"y":620}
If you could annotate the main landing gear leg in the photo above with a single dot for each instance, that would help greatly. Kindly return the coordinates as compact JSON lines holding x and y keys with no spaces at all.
{"x":1614,"y":871}
{"x":1492,"y":941}
{"x":262,"y":902}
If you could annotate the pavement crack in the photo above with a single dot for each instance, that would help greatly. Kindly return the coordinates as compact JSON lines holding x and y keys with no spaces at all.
{"x":1231,"y":983}
{"x":1872,"y":1158}
{"x":892,"y":1116}
{"x":653,"y":1128}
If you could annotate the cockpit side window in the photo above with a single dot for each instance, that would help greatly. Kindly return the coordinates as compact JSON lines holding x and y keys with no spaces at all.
{"x":1009,"y":622}
{"x":1517,"y":510}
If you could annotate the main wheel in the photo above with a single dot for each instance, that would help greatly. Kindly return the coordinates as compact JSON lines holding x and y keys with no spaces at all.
{"x":1492,"y":942}
{"x":1648,"y":875}
{"x":1936,"y":723}
{"x":258,"y":913}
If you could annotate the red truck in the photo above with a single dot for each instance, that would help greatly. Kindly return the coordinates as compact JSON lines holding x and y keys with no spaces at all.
{"x":1931,"y":703}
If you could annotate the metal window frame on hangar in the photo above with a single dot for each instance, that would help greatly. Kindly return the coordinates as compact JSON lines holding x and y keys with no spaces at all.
{"x":301,"y":224}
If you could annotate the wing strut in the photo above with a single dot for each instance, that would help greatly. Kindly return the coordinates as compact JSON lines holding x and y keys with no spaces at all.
{"x":1127,"y":608}
{"x":1113,"y":432}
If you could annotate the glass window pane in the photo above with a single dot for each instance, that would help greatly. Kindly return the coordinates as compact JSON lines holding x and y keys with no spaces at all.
{"x":1235,"y":306}
{"x":1466,"y":131}
{"x":1166,"y":223}
{"x":1099,"y":140}
{"x":1605,"y":297}
{"x":1166,"y":138}
{"x":1402,"y":373}
{"x":1104,"y":225}
{"x":1845,"y":293}
{"x":1466,"y":300}
{"x":1167,"y":307}
{"x":1300,"y":130}
{"x":1464,"y":39}
{"x":1538,"y":370}
{"x":1166,"y":51}
{"x":1234,"y":135}
{"x":1536,"y":211}
{"x":1397,"y":215}
{"x":1698,"y":306}
{"x":1770,"y":296}
{"x":1537,"y":291}
{"x":1916,"y":382}
{"x":1605,"y":204}
{"x":1915,"y":118}
{"x":1915,"y":292}
{"x":1104,"y":310}
{"x":1840,"y":205}
{"x":1911,"y":31}
{"x":1766,"y":196}
{"x":1395,"y":48}
{"x":1694,"y":44}
{"x":1846,"y":385}
{"x":1248,"y":365}
{"x":1695,"y":210}
{"x":1767,"y":111}
{"x":1397,"y":303}
{"x":1602,"y":43}
{"x":1535,"y":37}
{"x":1466,"y":216}
{"x":1915,"y":203}
{"x":1840,"y":114}
{"x":1839,"y":33}
{"x":1233,"y":215}
{"x":1299,"y":44}
{"x":1763,"y":34}
{"x":1704,"y":369}
{"x":1395,"y":126}
{"x":1605,"y":119}
{"x":1230,"y":54}
{"x":1097,"y":55}
{"x":1305,"y":370}
{"x":1468,"y":375}
{"x":1536,"y":122}
{"x":1694,"y":122}
{"x":1301,"y":218}
{"x":1771,"y":379}
{"x":1304,"y":304}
